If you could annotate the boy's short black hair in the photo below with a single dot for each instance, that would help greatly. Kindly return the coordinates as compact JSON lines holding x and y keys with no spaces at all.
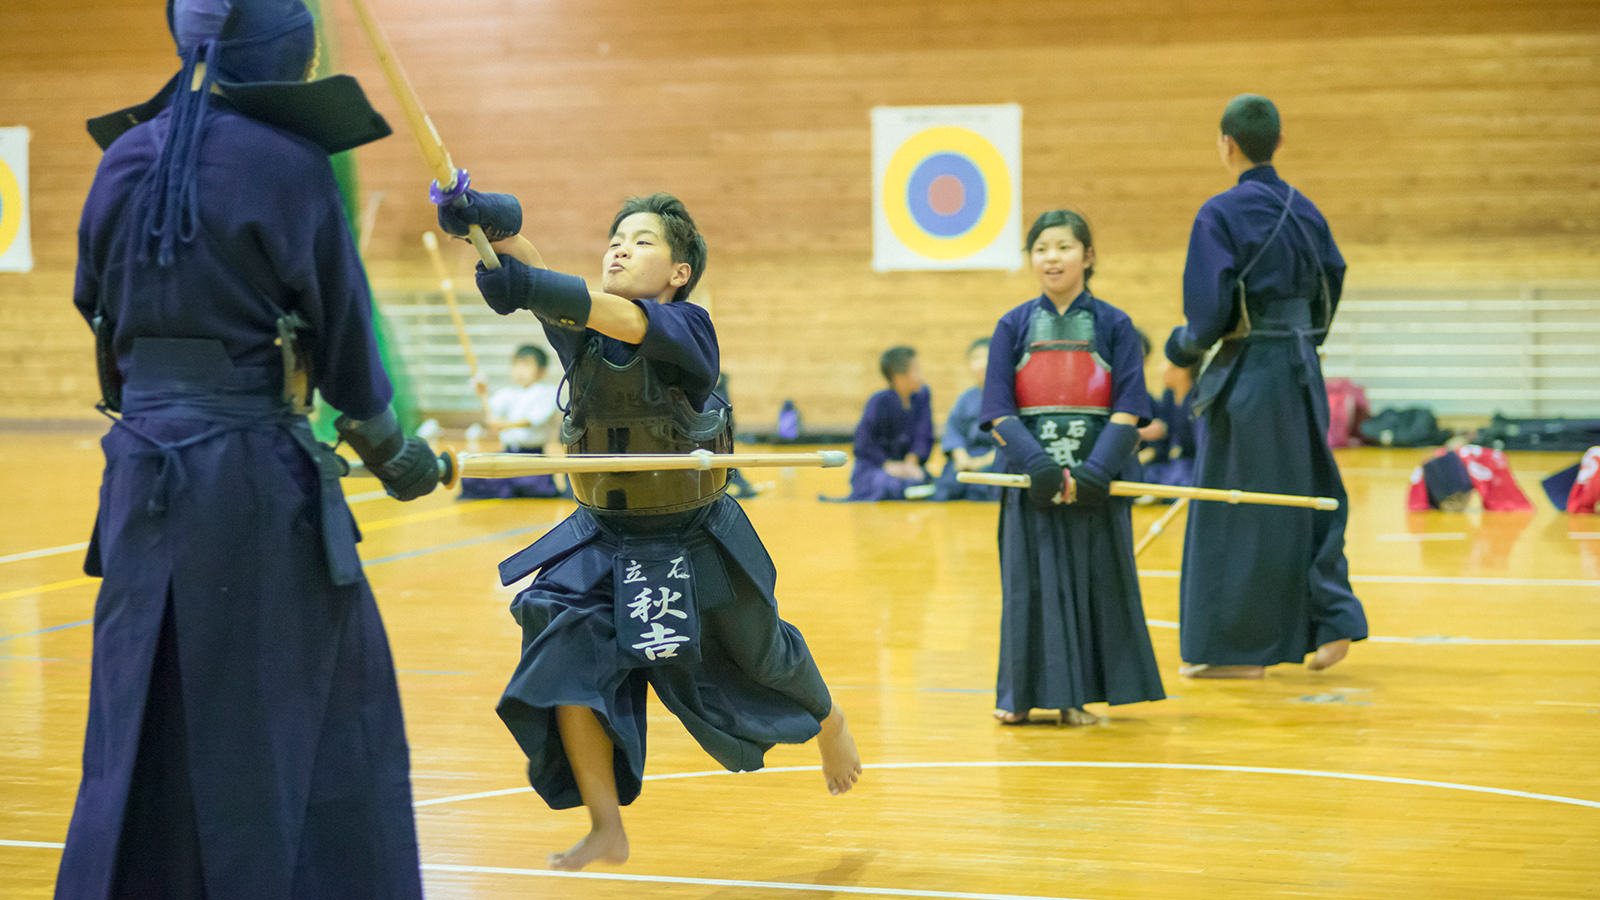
{"x":896,"y":361}
{"x":682,"y":236}
{"x":980,"y":342}
{"x":1252,"y":121}
{"x":533,"y":352}
{"x":1065,"y":218}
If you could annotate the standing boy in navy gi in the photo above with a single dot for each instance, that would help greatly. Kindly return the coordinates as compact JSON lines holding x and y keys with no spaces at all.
{"x":658,"y":578}
{"x":895,"y":435}
{"x":244,"y":735}
{"x":1261,"y":585}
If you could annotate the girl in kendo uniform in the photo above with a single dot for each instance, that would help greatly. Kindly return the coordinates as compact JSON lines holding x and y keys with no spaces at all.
{"x":1064,"y":397}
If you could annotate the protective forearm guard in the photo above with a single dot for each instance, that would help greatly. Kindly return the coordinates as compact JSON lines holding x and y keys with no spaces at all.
{"x":1111,"y":451}
{"x":556,"y":298}
{"x":1025,"y":452}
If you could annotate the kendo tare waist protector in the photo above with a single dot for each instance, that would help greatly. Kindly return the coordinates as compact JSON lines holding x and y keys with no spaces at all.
{"x":626,"y":409}
{"x":1063,"y":385}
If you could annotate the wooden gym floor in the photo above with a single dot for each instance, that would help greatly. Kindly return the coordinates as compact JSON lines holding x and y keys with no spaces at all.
{"x":1453,"y":755}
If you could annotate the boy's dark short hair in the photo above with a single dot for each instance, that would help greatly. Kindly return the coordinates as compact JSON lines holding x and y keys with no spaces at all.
{"x":980,"y":342}
{"x":1062,"y":218}
{"x":681,"y":234}
{"x":896,"y":361}
{"x":1252,"y":121}
{"x":533,"y":352}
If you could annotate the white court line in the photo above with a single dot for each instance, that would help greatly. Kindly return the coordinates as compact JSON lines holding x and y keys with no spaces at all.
{"x":731,"y":883}
{"x":1059,"y":764}
{"x":48,"y":551}
{"x":1433,"y":579}
{"x":44,"y":845}
{"x":1424,"y":536}
{"x":1447,"y":639}
{"x":369,"y":495}
{"x":1583,"y":535}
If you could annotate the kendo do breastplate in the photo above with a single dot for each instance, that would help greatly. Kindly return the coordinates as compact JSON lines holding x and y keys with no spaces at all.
{"x":1063,"y":385}
{"x":626,"y":409}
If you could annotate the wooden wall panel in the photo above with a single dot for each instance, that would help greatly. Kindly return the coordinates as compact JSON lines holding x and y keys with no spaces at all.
{"x":1447,"y":142}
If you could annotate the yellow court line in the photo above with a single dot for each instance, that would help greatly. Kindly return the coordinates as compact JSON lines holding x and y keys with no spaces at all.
{"x":53,"y":586}
{"x":424,"y":516}
{"x":379,"y":525}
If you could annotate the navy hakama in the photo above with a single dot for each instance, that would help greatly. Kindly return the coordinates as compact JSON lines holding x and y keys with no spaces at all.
{"x":1262,"y":585}
{"x":1072,"y":627}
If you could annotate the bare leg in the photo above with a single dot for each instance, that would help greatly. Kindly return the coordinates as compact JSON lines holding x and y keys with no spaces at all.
{"x":841,"y":764}
{"x":1204,"y":671}
{"x":590,"y":752}
{"x":1328,"y":654}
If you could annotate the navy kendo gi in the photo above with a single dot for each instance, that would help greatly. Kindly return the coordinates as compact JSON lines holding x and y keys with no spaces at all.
{"x":1262,"y":585}
{"x":1072,"y":628}
{"x":244,"y":733}
{"x":964,"y":430}
{"x":658,"y":578}
{"x":887,"y":432}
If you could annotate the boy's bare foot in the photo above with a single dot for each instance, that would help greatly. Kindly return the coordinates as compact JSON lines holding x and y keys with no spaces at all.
{"x":1328,"y":654}
{"x":1010,"y":718}
{"x":604,"y":843}
{"x":1077,"y":716}
{"x":1202,"y":670}
{"x":841,"y":764}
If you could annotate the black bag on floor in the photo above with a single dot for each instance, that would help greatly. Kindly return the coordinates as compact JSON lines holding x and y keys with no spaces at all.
{"x":1413,"y":426}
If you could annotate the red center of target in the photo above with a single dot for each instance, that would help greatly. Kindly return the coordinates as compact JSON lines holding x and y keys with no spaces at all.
{"x":946,"y":195}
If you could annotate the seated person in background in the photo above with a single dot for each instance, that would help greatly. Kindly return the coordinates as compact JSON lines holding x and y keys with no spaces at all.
{"x":524,"y":415}
{"x":1170,"y":440}
{"x":967,"y":447}
{"x":895,"y":435}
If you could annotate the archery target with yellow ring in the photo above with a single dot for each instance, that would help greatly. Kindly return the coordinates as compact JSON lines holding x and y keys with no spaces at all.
{"x":947,"y":193}
{"x":11,"y":206}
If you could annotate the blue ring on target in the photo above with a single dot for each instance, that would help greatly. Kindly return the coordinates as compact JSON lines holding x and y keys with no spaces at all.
{"x":946,"y":193}
{"x":943,"y":173}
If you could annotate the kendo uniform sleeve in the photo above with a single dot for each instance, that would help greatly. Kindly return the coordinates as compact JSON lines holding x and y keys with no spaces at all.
{"x":999,"y":380}
{"x":1128,"y":391}
{"x":1208,"y":282}
{"x":680,"y":335}
{"x":868,"y":450}
{"x":301,"y":225}
{"x":922,"y":424}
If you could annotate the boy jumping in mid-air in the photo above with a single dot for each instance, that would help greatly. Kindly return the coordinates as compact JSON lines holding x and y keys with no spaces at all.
{"x":658,"y":578}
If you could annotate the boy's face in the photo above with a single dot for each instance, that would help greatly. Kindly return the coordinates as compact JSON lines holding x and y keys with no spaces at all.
{"x":909,"y":381}
{"x":525,"y":371}
{"x":978,"y":363}
{"x":638,"y":263}
{"x":1175,"y":378}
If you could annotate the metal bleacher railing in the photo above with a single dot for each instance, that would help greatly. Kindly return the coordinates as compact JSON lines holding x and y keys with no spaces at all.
{"x":1522,"y":350}
{"x":438,"y":369}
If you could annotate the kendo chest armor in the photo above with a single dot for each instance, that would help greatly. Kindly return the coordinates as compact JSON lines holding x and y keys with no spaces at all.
{"x":1063,"y":386}
{"x":626,"y":409}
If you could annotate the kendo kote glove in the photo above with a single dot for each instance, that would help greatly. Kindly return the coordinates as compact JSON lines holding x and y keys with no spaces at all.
{"x":556,"y":298}
{"x":499,"y":215}
{"x":1111,"y":451}
{"x":1024,"y":451}
{"x":1181,"y":351}
{"x":403,"y":464}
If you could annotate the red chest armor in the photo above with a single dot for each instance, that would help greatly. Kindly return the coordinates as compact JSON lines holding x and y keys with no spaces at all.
{"x":1063,"y":385}
{"x":1062,"y":371}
